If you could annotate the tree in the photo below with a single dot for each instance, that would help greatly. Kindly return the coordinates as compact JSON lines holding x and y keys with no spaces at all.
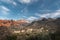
{"x":4,"y":32}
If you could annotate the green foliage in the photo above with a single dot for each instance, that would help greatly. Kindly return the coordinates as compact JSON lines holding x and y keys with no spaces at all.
{"x":33,"y":36}
{"x":38,"y":37}
{"x":11,"y":37}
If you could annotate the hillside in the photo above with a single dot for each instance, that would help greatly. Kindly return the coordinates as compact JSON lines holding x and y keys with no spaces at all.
{"x":9,"y":23}
{"x":41,"y":29}
{"x":50,"y":24}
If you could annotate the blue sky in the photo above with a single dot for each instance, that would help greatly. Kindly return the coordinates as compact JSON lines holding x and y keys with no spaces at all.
{"x":29,"y":9}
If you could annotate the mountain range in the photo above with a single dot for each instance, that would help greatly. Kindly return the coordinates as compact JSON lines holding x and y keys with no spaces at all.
{"x":50,"y":24}
{"x":53,"y":25}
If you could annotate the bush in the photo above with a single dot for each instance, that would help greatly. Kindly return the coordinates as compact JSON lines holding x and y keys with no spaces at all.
{"x":11,"y":37}
{"x":38,"y":37}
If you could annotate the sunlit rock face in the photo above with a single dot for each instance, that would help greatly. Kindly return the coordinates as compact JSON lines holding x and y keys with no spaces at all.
{"x":9,"y":23}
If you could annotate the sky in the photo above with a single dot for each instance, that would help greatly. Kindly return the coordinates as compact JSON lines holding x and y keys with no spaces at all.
{"x":29,"y":9}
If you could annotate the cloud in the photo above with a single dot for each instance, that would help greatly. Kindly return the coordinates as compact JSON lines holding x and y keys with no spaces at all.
{"x":27,"y":1}
{"x":49,"y":15}
{"x":55,"y":14}
{"x":24,"y":17}
{"x":32,"y":18}
{"x":3,"y":18}
{"x":6,"y":18}
{"x":14,"y":3}
{"x":24,"y":11}
{"x":4,"y":10}
{"x":43,"y":15}
{"x":9,"y":1}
